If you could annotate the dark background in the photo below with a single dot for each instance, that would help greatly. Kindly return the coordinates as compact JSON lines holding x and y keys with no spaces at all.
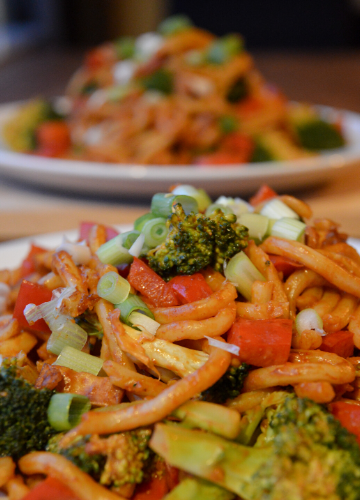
{"x":265,"y":24}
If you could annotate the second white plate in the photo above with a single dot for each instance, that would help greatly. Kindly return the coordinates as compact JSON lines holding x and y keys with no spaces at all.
{"x":140,"y":180}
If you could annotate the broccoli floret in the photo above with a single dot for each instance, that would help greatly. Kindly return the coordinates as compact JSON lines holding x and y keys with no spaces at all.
{"x":303,"y":454}
{"x":195,"y":241}
{"x":24,"y":425}
{"x":228,"y":386}
{"x":114,"y":461}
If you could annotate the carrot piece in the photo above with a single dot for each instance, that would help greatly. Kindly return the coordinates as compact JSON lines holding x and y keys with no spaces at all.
{"x":284,"y":265}
{"x":262,"y":342}
{"x":31,"y":293}
{"x":151,"y":285}
{"x":349,"y":416}
{"x":51,"y":488}
{"x":190,"y":288}
{"x":264,"y":193}
{"x":340,"y":343}
{"x":53,"y":138}
{"x":28,"y":264}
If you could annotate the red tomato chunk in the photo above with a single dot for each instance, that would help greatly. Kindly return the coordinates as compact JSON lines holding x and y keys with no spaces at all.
{"x":190,"y":288}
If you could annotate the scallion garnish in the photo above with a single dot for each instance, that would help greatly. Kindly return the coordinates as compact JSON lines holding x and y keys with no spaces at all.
{"x":242,"y":273}
{"x":65,"y":410}
{"x":200,"y":195}
{"x":257,"y":225}
{"x":131,"y":304}
{"x":113,"y":287}
{"x":155,"y":232}
{"x":276,"y":209}
{"x":113,"y":252}
{"x":162,"y":204}
{"x":79,"y":361}
{"x":288,"y":228}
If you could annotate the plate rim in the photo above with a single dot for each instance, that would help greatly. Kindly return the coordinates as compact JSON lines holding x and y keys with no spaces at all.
{"x":99,"y":175}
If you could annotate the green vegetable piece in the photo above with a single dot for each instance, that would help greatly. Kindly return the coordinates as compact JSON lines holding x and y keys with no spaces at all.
{"x":195,"y":241}
{"x":223,"y":49}
{"x":161,"y":80}
{"x":65,"y":410}
{"x":237,"y":91}
{"x":228,"y":124}
{"x":125,"y":47}
{"x":209,"y":417}
{"x":89,"y":87}
{"x":24,"y":425}
{"x":228,"y":386}
{"x":261,"y":154}
{"x":175,"y":24}
{"x":193,"y":488}
{"x":316,"y":135}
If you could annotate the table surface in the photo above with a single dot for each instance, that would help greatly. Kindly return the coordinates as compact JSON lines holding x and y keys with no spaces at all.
{"x":331,"y":79}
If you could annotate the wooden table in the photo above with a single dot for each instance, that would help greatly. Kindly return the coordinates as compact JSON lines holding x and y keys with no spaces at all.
{"x":328,"y":79}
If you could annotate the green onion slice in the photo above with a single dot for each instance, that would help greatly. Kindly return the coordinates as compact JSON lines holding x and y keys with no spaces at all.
{"x":113,"y":252}
{"x":276,"y":209}
{"x":65,"y":410}
{"x":309,"y":319}
{"x":288,"y":228}
{"x":155,"y":232}
{"x":257,"y":225}
{"x":113,"y":287}
{"x":226,"y":210}
{"x":162,"y":204}
{"x":79,"y":361}
{"x":143,"y":322}
{"x":200,"y":195}
{"x":70,"y":334}
{"x":242,"y":273}
{"x":141,"y":221}
{"x":131,"y":304}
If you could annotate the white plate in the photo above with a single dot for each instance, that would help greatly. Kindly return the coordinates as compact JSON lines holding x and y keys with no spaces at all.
{"x":140,"y":180}
{"x":13,"y":252}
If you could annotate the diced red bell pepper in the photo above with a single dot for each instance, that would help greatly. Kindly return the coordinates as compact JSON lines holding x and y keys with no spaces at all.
{"x":262,"y":342}
{"x":340,"y":343}
{"x":31,"y":293}
{"x":154,"y":489}
{"x":85,"y":228}
{"x":349,"y":416}
{"x":264,"y":193}
{"x":239,"y":143}
{"x":28,"y":264}
{"x":51,"y":489}
{"x":190,"y":288}
{"x":284,"y":265}
{"x":151,"y":285}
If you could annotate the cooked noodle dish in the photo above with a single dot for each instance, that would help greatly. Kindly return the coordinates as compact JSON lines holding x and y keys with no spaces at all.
{"x":177,"y":96}
{"x":211,"y":352}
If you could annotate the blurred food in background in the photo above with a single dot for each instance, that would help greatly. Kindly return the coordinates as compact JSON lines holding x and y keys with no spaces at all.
{"x":180,"y":95}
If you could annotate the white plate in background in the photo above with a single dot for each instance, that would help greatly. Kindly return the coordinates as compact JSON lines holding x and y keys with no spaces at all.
{"x":144,"y":180}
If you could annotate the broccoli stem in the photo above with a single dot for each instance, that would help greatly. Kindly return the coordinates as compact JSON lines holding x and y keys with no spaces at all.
{"x":229,"y":465}
{"x":192,"y":488}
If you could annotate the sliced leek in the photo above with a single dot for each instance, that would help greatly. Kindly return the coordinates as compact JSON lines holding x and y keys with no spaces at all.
{"x":65,"y":410}
{"x":162,"y":204}
{"x":79,"y":361}
{"x":276,"y":209}
{"x":113,"y":287}
{"x":290,"y":229}
{"x":242,"y":273}
{"x":257,"y":225}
